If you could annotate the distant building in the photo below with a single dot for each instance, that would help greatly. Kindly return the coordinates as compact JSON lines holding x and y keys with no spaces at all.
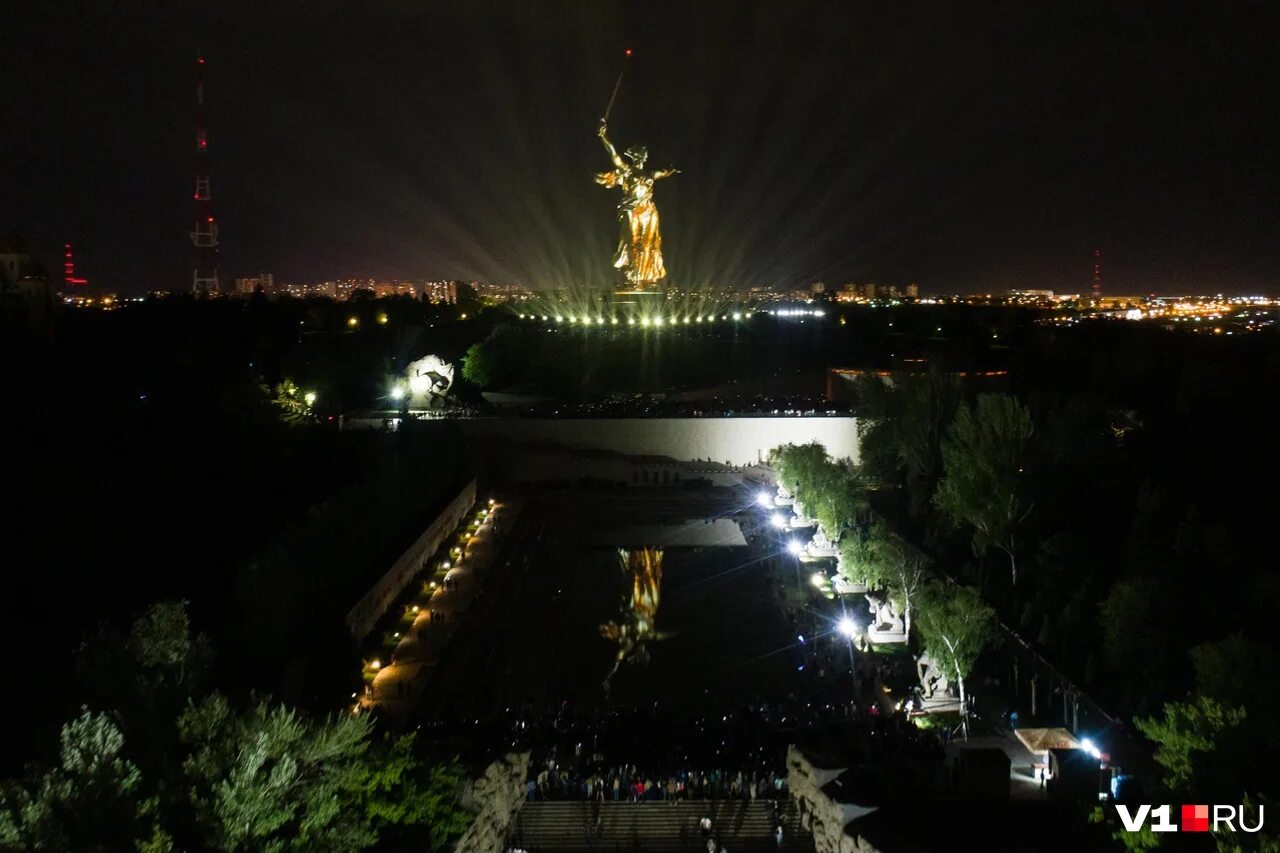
{"x":263,"y":283}
{"x":11,"y":263}
{"x":440,"y":292}
{"x":1112,"y":303}
{"x":26,"y":293}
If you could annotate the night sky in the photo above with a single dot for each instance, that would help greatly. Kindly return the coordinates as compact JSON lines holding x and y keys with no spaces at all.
{"x":963,"y":146}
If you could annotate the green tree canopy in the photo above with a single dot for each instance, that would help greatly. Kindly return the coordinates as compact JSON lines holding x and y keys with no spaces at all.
{"x":895,"y":566}
{"x":831,"y":490}
{"x":956,"y":626}
{"x":1187,"y":734}
{"x":190,"y":769}
{"x":984,"y":484}
{"x":93,"y":799}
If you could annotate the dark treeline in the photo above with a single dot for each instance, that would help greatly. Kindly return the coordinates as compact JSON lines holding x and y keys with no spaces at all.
{"x":148,"y":458}
{"x":1114,"y":505}
{"x":575,"y":362}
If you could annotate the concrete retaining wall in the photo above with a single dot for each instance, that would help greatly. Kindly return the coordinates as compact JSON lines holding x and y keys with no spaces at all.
{"x":736,"y":441}
{"x":371,"y":608}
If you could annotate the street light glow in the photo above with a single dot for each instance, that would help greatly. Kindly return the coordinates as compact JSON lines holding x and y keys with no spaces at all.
{"x":778,"y":521}
{"x":397,"y":392}
{"x":764,"y":499}
{"x":847,"y":627}
{"x":794,"y":547}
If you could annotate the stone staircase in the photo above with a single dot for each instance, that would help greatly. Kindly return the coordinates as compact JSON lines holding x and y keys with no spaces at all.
{"x":654,"y":827}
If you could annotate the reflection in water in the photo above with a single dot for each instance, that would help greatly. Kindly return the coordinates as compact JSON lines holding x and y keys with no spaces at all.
{"x":640,"y":615}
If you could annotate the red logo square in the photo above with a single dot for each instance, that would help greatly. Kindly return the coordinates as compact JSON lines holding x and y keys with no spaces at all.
{"x":1195,"y":818}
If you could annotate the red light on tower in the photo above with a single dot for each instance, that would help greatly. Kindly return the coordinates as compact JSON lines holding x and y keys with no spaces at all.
{"x":69,"y":269}
{"x":627,"y":52}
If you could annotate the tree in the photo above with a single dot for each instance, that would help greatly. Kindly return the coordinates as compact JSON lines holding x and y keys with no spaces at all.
{"x":839,"y":498}
{"x":1138,"y":627}
{"x":984,"y":485}
{"x":1188,"y":732}
{"x":896,"y":566}
{"x":832,"y":491}
{"x":270,"y":778}
{"x":498,"y":358}
{"x":92,"y":800}
{"x":190,"y":769}
{"x":956,"y":626}
{"x":478,"y":365}
{"x":1236,"y":671}
{"x":926,"y":405}
{"x":800,"y":466}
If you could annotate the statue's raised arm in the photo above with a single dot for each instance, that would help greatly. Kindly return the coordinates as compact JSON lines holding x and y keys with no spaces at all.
{"x":613,"y":152}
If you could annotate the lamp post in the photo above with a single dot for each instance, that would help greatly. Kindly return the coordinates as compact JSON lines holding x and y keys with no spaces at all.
{"x":794,"y":548}
{"x":849,"y":629}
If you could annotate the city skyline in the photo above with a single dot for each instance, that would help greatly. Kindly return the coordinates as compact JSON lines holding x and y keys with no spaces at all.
{"x":964,"y":151}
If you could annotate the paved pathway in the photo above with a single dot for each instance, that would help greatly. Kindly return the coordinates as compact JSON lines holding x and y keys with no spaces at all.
{"x":400,"y":684}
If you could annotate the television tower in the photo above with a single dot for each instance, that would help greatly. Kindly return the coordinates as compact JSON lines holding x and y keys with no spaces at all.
{"x":69,"y":270}
{"x":1097,"y":274}
{"x":204,"y":239}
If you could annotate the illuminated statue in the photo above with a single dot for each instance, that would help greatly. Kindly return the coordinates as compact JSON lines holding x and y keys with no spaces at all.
{"x":639,"y":253}
{"x":640,"y":614}
{"x":429,"y":381}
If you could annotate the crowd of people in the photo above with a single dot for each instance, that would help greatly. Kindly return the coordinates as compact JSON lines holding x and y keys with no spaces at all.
{"x":628,"y":783}
{"x":659,"y":406}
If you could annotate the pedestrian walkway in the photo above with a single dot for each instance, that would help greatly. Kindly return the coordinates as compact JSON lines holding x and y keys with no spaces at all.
{"x":399,"y":683}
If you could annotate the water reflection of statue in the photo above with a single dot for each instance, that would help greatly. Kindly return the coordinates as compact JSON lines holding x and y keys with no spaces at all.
{"x":640,"y":614}
{"x":639,"y":253}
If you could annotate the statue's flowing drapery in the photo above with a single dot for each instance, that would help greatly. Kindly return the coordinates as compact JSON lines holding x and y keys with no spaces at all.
{"x":639,"y":252}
